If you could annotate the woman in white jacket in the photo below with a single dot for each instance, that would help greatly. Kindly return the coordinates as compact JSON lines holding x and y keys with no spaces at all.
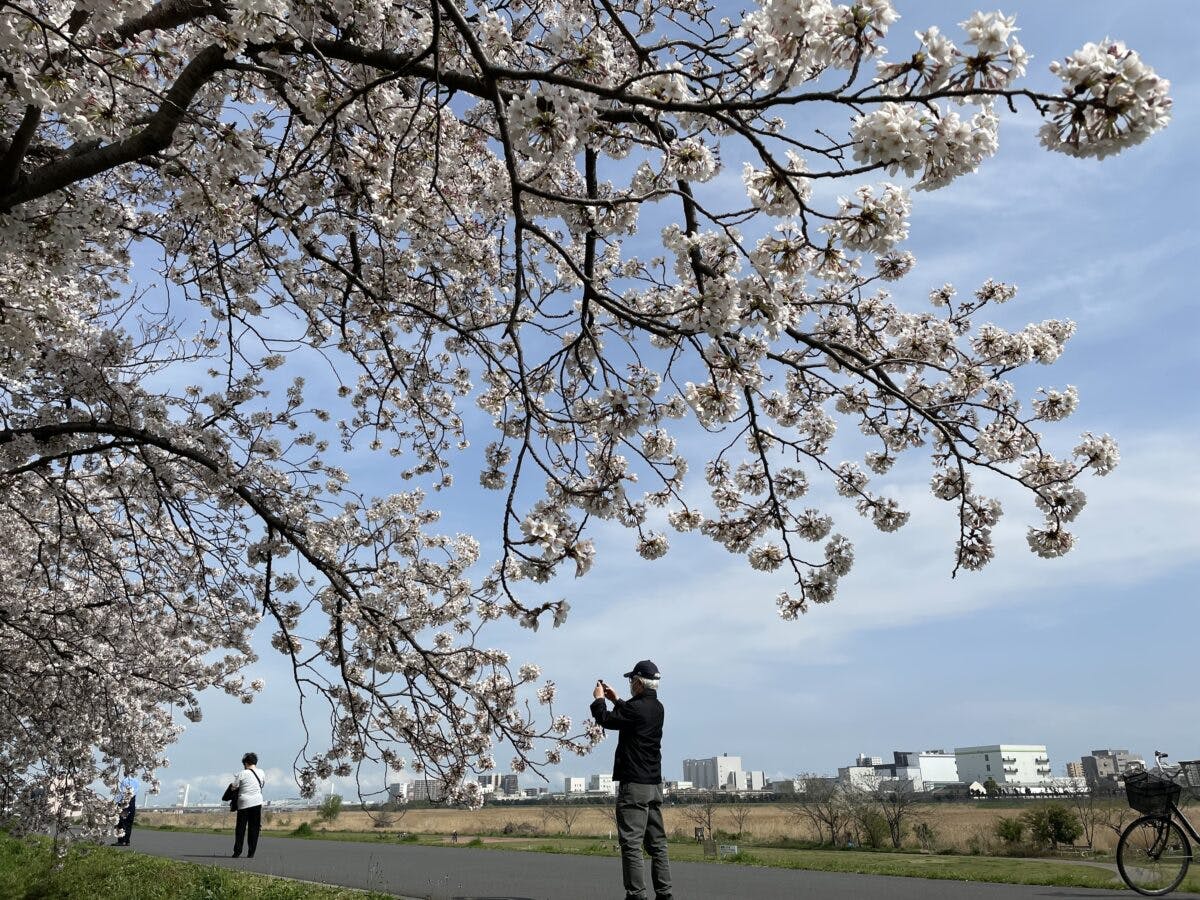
{"x":249,"y":785}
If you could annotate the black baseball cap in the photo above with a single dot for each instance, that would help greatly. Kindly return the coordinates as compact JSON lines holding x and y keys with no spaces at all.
{"x":645,"y":668}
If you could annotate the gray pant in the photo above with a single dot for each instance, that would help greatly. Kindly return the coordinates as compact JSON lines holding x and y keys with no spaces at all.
{"x":640,"y":824}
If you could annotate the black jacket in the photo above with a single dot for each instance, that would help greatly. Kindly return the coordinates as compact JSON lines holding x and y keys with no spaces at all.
{"x":639,"y":726}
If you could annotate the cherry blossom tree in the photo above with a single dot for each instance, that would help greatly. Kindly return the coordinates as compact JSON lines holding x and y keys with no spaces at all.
{"x":359,"y":224}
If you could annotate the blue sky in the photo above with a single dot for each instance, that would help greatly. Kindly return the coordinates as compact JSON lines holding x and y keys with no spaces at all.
{"x":1084,"y":652}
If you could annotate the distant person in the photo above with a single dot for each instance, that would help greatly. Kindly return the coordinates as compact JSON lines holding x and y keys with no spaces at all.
{"x":249,"y":784}
{"x":127,"y":796}
{"x":637,"y":766}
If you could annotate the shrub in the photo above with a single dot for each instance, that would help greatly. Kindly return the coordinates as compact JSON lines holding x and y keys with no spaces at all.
{"x":407,"y":837}
{"x":982,"y":841}
{"x":303,"y":830}
{"x":1010,"y":829}
{"x":384,"y":820}
{"x":475,"y":842}
{"x":518,"y":828}
{"x":872,"y":829}
{"x":1051,"y":825}
{"x":330,"y":808}
{"x":925,"y":834}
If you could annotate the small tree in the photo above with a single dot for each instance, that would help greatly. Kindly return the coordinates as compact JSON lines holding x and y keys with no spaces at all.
{"x":330,"y":808}
{"x":823,"y":805}
{"x":893,"y":799}
{"x":1087,"y":809}
{"x":740,"y":811}
{"x":1114,"y":818}
{"x":991,"y":788}
{"x":545,"y":814}
{"x":702,"y":811}
{"x":565,"y":813}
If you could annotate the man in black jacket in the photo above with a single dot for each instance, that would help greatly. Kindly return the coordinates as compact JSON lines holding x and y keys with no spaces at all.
{"x":637,"y":767}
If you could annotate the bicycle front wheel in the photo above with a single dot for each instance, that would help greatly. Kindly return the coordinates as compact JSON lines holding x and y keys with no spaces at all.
{"x":1153,"y":855}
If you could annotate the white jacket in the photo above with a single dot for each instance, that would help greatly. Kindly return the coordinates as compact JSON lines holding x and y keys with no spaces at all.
{"x":250,"y":788}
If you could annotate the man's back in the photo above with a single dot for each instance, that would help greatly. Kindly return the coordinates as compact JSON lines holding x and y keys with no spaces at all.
{"x":639,"y":726}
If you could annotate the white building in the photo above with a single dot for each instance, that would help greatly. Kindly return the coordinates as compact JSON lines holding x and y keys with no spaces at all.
{"x":601,"y":784}
{"x":398,"y":792}
{"x":490,"y":783}
{"x":864,"y":777}
{"x":787,"y":786}
{"x":574,"y":786}
{"x":746,"y":781}
{"x":924,"y":771}
{"x":937,"y":768}
{"x":711,"y":774}
{"x":1009,"y":765}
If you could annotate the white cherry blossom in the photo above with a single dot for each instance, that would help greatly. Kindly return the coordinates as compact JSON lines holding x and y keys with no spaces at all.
{"x":389,"y":235}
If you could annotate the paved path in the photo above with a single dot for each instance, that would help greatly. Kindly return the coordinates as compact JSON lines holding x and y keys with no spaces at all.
{"x":460,"y":873}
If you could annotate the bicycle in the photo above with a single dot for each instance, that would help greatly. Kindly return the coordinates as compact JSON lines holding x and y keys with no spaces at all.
{"x":1154,"y":852}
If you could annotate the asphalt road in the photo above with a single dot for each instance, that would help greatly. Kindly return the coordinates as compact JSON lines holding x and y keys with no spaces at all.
{"x":459,"y":873}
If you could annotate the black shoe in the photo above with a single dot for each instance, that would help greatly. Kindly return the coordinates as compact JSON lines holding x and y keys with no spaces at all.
{"x":235,"y":855}
{"x":249,"y":856}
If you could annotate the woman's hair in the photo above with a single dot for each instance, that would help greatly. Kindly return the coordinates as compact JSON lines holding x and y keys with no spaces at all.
{"x":250,"y":759}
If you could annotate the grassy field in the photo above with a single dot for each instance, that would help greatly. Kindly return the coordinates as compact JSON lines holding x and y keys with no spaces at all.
{"x":958,"y":827}
{"x":91,"y":873}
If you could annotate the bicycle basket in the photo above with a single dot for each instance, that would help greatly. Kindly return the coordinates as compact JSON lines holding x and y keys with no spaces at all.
{"x":1191,"y":776}
{"x":1151,"y":794}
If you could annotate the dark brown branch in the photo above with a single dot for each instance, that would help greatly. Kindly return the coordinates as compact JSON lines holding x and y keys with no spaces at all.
{"x":154,"y":138}
{"x":10,"y":163}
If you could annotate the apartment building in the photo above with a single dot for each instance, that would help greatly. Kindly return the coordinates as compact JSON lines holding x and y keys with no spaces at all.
{"x":430,"y":790}
{"x":1108,"y":765}
{"x":1021,"y":765}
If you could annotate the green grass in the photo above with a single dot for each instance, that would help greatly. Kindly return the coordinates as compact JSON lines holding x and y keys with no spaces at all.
{"x":910,"y":864}
{"x":90,"y":872}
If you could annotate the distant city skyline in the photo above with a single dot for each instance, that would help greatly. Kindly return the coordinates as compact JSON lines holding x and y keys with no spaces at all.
{"x":600,"y":781}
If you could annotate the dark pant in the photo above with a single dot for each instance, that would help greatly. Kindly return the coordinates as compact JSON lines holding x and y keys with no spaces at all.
{"x":640,"y":824}
{"x":125,"y":823}
{"x":247,"y":819}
